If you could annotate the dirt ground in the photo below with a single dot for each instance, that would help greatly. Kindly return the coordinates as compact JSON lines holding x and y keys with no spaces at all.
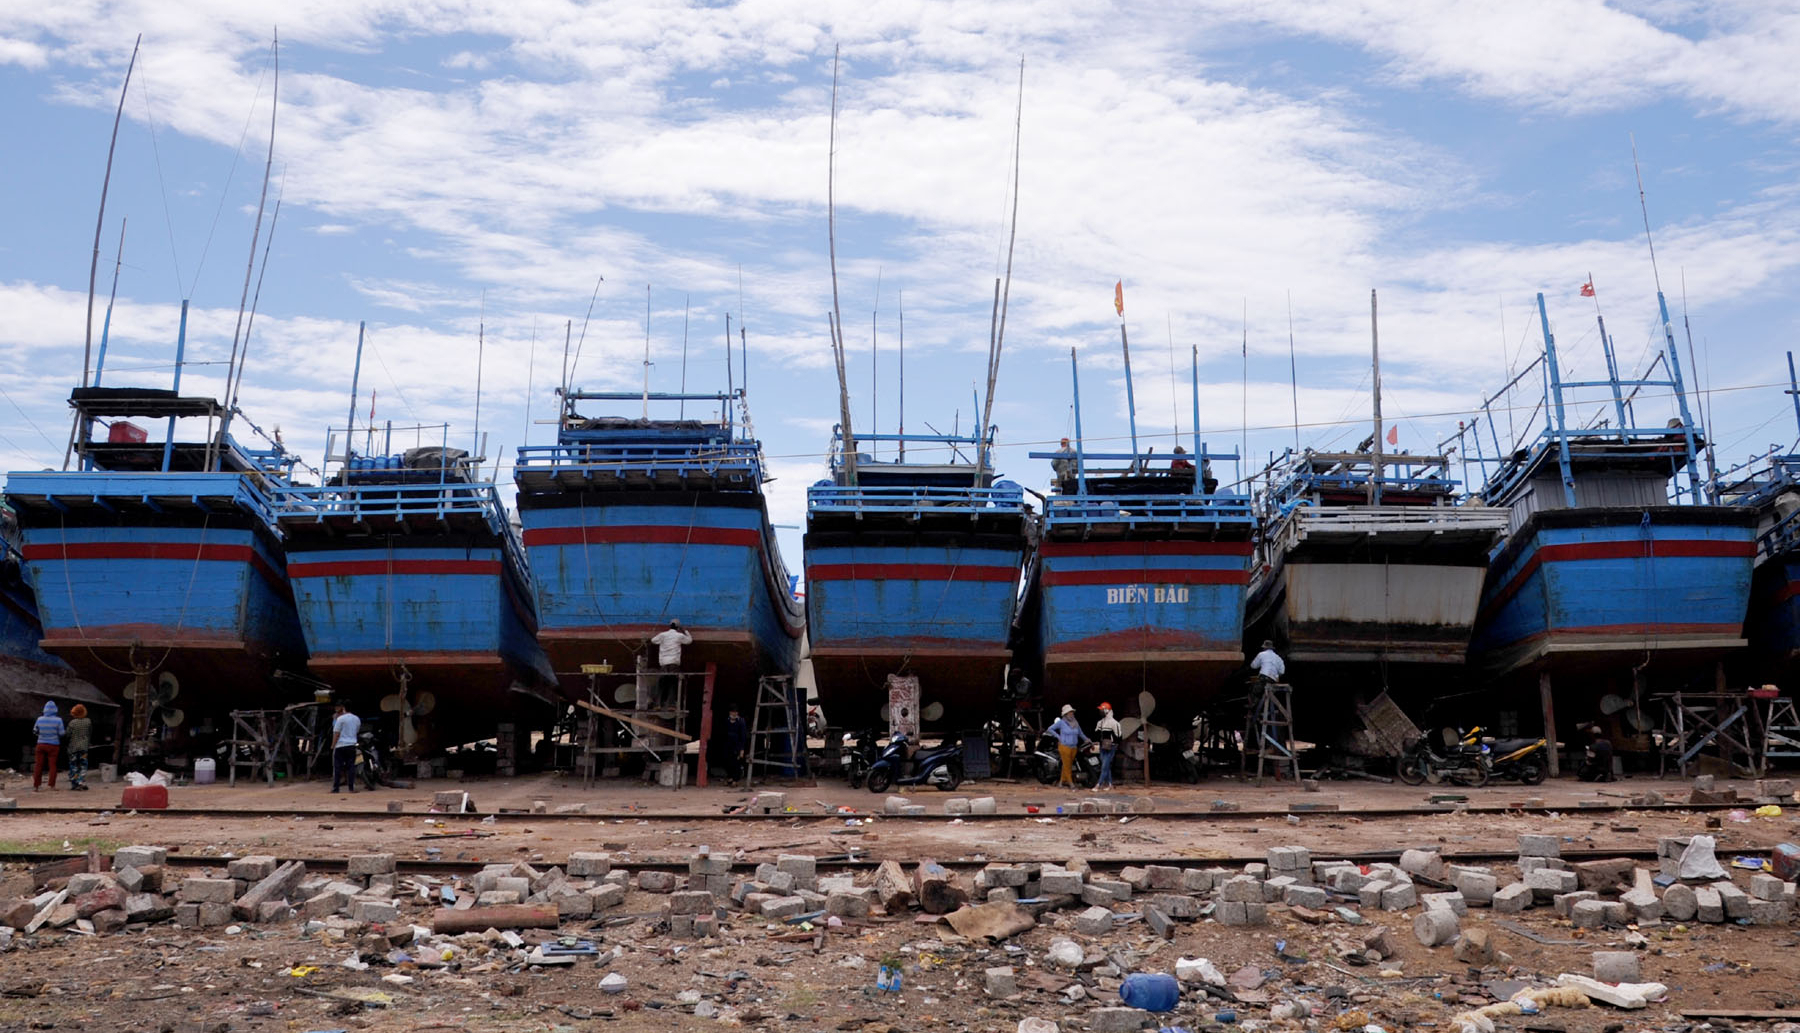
{"x":757,"y":975}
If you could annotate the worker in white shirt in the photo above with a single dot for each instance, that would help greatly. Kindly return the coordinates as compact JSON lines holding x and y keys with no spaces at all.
{"x":1268,"y":664}
{"x":668,"y":643}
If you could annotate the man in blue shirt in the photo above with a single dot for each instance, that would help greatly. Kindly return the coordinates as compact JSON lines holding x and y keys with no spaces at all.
{"x":49,"y":731}
{"x":1069,"y":737}
{"x":344,"y":729}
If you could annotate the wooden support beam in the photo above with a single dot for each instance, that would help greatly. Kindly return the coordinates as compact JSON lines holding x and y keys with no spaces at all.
{"x":1548,"y":701}
{"x":640,"y":722}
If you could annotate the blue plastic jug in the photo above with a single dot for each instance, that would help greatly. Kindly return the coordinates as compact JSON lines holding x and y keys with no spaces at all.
{"x":1150,"y":991}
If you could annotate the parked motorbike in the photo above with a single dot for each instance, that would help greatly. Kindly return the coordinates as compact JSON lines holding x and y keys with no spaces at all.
{"x":898,"y":765}
{"x":1046,"y":763}
{"x":368,"y":760}
{"x":1444,"y":756}
{"x":1525,"y":760}
{"x":856,"y":755}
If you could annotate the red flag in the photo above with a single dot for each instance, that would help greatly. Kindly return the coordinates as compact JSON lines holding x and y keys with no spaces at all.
{"x":1119,"y":297}
{"x":1587,"y":289}
{"x":1394,"y":434}
{"x":371,"y":406}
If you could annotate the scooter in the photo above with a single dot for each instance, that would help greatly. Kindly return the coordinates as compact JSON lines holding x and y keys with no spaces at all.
{"x":941,"y":767}
{"x":856,"y":755}
{"x":1046,"y":763}
{"x":1521,"y":759}
{"x":1442,"y":756}
{"x":368,"y":760}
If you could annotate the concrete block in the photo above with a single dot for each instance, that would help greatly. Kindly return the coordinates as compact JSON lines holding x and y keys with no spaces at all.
{"x":87,"y":882}
{"x":1275,"y":888}
{"x":656,"y":882}
{"x":691,"y":902}
{"x":1000,"y":982}
{"x":1059,"y":881}
{"x":1289,"y":859}
{"x":895,"y":804}
{"x":1477,"y":888}
{"x":1196,"y":880}
{"x":1435,"y":927}
{"x":213,"y":915}
{"x":1239,"y":889}
{"x":1013,"y":875}
{"x":252,"y":869}
{"x":1616,"y":966}
{"x":1643,"y":905}
{"x":957,"y":806}
{"x":1708,"y":905}
{"x":1163,"y":877}
{"x":855,"y":905}
{"x":1736,"y":901}
{"x":1428,"y":863}
{"x":371,"y":864}
{"x":1535,"y":845}
{"x":1118,"y":1020}
{"x":1769,"y":912}
{"x":1095,"y":921}
{"x":1763,"y":886}
{"x":1588,"y":914}
{"x":1448,"y":901}
{"x":367,"y":910}
{"x":573,"y":905}
{"x":783,"y":907}
{"x":1513,"y":899}
{"x":984,"y":805}
{"x":1347,"y":880}
{"x":1120,"y":889}
{"x":1137,"y":878}
{"x":589,"y":865}
{"x":803,"y":867}
{"x":1305,"y":896}
{"x":1097,"y":896}
{"x":1546,"y":883}
{"x":1475,"y":947}
{"x":140,"y":856}
{"x":1370,"y":894}
{"x":1399,"y":897}
{"x":609,"y":895}
{"x":147,"y":907}
{"x":1565,"y":902}
{"x":207,"y":891}
{"x":1176,"y":905}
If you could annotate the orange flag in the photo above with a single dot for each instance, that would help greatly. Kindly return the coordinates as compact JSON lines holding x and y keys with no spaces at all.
{"x":1394,"y":434}
{"x":1119,"y":297}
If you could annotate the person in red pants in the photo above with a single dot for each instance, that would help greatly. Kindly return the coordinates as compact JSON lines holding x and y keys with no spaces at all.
{"x":49,"y":730}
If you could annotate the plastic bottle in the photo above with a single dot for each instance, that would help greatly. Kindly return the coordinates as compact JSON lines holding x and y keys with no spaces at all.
{"x":1150,"y":991}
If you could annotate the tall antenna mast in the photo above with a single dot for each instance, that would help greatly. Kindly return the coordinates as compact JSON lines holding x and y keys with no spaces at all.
{"x":1375,"y":353}
{"x":875,"y":367}
{"x":480,"y":353}
{"x":256,"y":231}
{"x":1662,"y":304}
{"x":903,"y":375}
{"x":837,"y":321}
{"x":987,"y":411}
{"x":685,"y":302}
{"x":1293,"y":371}
{"x":646,"y":351}
{"x":100,"y":220}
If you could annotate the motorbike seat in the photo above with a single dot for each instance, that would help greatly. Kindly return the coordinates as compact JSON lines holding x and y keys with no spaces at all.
{"x":1505,"y":746}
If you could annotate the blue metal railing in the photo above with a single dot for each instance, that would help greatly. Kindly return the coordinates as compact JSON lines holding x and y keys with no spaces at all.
{"x":1148,"y":509}
{"x":914,"y":499}
{"x":1784,"y":536}
{"x":365,"y":502}
{"x":741,"y":456}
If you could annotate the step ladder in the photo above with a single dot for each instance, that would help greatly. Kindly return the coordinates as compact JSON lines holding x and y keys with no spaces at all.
{"x":1780,"y":730}
{"x":1269,"y":731}
{"x":777,"y":728}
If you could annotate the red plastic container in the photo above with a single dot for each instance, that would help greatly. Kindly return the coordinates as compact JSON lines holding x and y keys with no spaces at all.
{"x":145,"y":798}
{"x":122,"y":433}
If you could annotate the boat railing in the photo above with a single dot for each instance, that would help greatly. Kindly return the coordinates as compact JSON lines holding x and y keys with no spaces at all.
{"x":1783,"y":537}
{"x":1136,"y":510}
{"x":365,"y":502}
{"x":914,"y":500}
{"x":155,"y":491}
{"x":744,"y":457}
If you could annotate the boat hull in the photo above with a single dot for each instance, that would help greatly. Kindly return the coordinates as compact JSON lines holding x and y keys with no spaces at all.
{"x":1586,"y":588}
{"x":1111,"y":619}
{"x":611,"y":569}
{"x":1774,"y":622}
{"x":446,"y":610}
{"x":935,"y":604}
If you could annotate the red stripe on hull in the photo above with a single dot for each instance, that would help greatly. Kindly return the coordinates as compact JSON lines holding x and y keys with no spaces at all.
{"x":907,"y":572}
{"x":637,"y":534}
{"x":1161,"y":577}
{"x":1786,"y":592}
{"x":1613,"y":551}
{"x":348,"y":568}
{"x":180,"y":552}
{"x":1053,"y":549}
{"x":384,"y":660}
{"x":1652,"y":629}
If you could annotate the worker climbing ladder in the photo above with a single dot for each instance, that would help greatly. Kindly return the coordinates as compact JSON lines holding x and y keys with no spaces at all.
{"x":1269,"y":731}
{"x":777,"y":731}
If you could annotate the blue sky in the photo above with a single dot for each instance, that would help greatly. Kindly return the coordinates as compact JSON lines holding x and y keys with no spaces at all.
{"x":444,"y":164}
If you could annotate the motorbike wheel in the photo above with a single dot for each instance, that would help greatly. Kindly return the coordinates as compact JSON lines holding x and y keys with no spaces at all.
{"x":1412,"y":771}
{"x":371,"y":777}
{"x":1474,"y":776}
{"x":1531,"y":773}
{"x":1087,"y":775}
{"x":880,"y":779}
{"x":854,"y":776}
{"x":953,"y":776}
{"x":1048,"y":772}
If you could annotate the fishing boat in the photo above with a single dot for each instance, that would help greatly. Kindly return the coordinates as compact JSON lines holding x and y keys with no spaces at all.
{"x":161,"y":574}
{"x":1769,"y":486}
{"x":912,"y":569}
{"x":1369,"y":558}
{"x":1616,"y":565}
{"x":632,"y":521}
{"x":413,"y":590}
{"x":1137,"y":584}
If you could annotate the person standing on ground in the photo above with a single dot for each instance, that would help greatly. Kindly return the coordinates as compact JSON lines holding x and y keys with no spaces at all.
{"x":1107,"y":732}
{"x":1268,"y":664}
{"x":668,"y":643}
{"x":81,"y":733}
{"x":737,"y":744}
{"x":1069,"y":738}
{"x":49,"y":731}
{"x":344,"y":729}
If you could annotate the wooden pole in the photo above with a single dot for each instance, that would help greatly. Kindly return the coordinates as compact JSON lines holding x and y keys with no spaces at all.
{"x":448,"y":921}
{"x":1547,"y":700}
{"x":706,"y":719}
{"x":640,"y":722}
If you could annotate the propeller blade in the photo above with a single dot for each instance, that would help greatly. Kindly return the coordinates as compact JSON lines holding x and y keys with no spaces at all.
{"x":427,"y":702}
{"x":932,"y":711}
{"x":1146,"y":704}
{"x":171,"y":717}
{"x":393,"y":702}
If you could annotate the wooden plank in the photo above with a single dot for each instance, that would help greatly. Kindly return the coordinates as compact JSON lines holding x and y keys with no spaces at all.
{"x":1727,"y":1013}
{"x":628,"y":719}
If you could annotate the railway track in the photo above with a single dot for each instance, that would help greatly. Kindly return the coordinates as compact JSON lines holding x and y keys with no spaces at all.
{"x":1245,"y":814}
